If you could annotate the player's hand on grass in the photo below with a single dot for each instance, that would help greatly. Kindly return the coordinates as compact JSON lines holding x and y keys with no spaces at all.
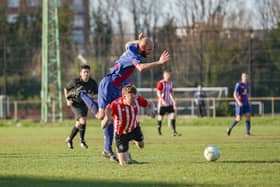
{"x":164,"y":57}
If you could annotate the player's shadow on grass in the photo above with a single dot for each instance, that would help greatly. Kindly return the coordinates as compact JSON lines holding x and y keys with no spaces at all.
{"x":137,"y":162}
{"x":26,"y":181}
{"x":251,"y":161}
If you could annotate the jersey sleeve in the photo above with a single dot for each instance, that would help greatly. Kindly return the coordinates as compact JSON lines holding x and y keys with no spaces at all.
{"x":159,"y":86}
{"x":70,"y":85}
{"x":113,"y":107}
{"x":249,"y":88}
{"x":142,"y":101}
{"x":237,"y":88}
{"x":136,"y":61}
{"x":94,"y":87}
{"x":133,"y":49}
{"x":129,"y":47}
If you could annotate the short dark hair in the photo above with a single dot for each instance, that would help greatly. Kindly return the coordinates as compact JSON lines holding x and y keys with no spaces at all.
{"x":129,"y":89}
{"x":85,"y":66}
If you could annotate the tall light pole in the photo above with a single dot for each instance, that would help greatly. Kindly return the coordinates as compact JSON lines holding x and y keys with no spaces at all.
{"x":5,"y":100}
{"x":201,"y":56}
{"x":51,"y":92}
{"x":5,"y":68}
{"x":251,"y":37}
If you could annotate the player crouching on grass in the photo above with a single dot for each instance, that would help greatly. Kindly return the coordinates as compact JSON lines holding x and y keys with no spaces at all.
{"x":123,"y":111}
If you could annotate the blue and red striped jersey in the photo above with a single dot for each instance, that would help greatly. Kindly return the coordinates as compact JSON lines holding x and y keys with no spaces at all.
{"x":125,"y":65}
{"x":242,"y":90}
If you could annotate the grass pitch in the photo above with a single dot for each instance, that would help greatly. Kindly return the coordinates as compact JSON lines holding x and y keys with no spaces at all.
{"x":35,"y":155}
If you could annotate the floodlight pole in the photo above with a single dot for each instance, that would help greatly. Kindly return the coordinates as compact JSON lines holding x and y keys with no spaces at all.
{"x":201,"y":67}
{"x":51,"y":92}
{"x":251,"y":37}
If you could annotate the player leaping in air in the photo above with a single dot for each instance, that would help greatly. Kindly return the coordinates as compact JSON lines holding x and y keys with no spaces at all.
{"x":111,"y":85}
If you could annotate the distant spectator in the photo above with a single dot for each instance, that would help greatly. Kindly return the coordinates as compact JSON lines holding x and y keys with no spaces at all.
{"x":200,"y":96}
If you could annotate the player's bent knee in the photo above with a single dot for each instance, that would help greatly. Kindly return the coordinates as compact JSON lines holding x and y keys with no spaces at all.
{"x":82,"y":121}
{"x":77,"y":124}
{"x":237,"y":118}
{"x":248,"y":116}
{"x":100,"y":115}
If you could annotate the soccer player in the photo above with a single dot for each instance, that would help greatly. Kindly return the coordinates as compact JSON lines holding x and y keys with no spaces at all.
{"x":166,"y":103}
{"x":124,"y":112}
{"x":242,"y":105}
{"x":111,"y":85}
{"x":89,"y":87}
{"x":200,"y":96}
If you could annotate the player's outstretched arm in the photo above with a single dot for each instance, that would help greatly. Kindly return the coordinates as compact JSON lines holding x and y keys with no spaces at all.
{"x":164,"y":58}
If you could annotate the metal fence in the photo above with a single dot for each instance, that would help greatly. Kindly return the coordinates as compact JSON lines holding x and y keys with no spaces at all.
{"x":215,"y":107}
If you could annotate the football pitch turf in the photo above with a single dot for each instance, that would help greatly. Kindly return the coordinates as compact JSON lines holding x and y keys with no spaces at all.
{"x":35,"y":155}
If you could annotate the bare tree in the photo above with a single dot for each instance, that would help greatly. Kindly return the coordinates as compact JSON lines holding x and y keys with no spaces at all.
{"x":102,"y":34}
{"x":145,"y":15}
{"x":120,"y":31}
{"x":199,"y":18}
{"x":269,"y":13}
{"x":134,"y":9}
{"x":200,"y":11}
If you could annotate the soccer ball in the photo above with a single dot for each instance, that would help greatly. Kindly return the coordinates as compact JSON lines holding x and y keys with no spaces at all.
{"x":212,"y":153}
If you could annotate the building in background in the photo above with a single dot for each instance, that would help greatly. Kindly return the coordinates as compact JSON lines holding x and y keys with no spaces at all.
{"x":80,"y":10}
{"x":81,"y":23}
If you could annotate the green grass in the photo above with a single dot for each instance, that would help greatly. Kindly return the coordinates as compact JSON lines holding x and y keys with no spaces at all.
{"x":33,"y":154}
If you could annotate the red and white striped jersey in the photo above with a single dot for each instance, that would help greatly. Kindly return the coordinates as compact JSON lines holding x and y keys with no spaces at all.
{"x":165,"y":88}
{"x":125,"y":116}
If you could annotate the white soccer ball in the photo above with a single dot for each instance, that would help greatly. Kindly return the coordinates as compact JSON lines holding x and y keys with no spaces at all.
{"x":212,"y":153}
